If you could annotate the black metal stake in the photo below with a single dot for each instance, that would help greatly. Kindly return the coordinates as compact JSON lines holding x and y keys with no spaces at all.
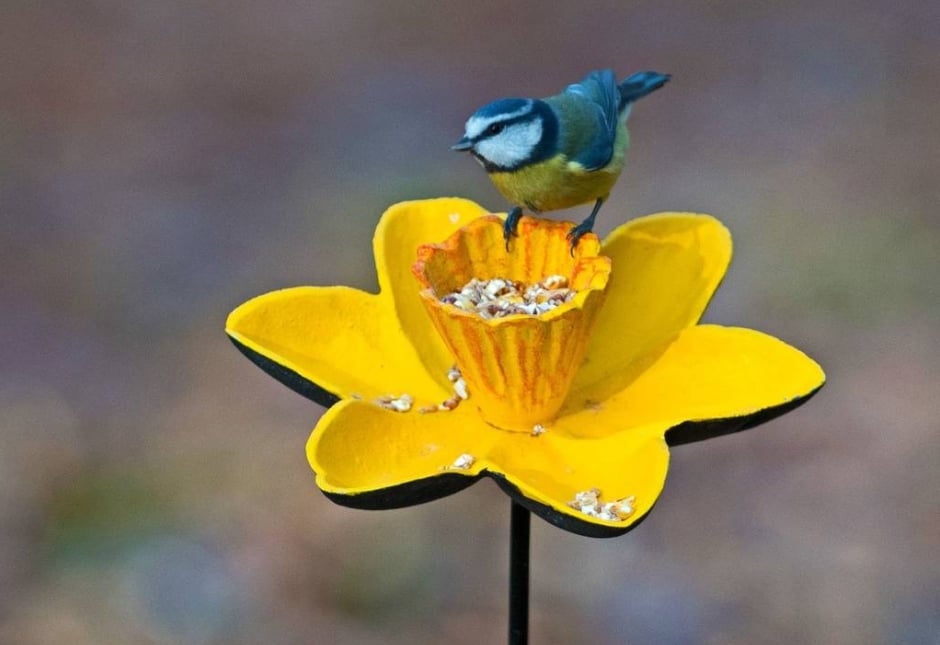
{"x":519,"y":575}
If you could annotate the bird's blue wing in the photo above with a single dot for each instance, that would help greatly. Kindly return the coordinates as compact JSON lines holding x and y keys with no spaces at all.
{"x":599,"y":98}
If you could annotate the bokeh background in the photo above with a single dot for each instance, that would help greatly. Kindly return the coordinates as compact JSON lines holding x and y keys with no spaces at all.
{"x":161,"y":162}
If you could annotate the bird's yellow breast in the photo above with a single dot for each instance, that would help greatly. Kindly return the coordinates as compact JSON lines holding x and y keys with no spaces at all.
{"x":558,"y":183}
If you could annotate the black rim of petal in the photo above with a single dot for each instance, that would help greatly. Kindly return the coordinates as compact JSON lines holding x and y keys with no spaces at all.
{"x":562,"y":520}
{"x":432,"y":488}
{"x":288,"y":377}
{"x":695,"y":431}
{"x":419,"y":491}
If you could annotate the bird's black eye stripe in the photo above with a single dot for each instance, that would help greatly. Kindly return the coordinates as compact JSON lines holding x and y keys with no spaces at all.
{"x":495,"y":128}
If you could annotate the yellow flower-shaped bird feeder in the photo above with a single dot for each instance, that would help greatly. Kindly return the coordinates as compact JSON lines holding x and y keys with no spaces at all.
{"x":569,"y":401}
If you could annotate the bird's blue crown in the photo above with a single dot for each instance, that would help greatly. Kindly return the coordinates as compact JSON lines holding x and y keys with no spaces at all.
{"x":505,"y":107}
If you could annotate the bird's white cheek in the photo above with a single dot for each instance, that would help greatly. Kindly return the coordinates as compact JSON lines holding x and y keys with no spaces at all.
{"x":513,"y":146}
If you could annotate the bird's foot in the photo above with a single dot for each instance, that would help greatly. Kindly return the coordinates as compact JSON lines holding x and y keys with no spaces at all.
{"x":577,"y":232}
{"x":511,"y":224}
{"x":585,"y":227}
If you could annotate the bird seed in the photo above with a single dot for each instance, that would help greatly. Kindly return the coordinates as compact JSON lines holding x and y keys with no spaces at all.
{"x":589,"y":502}
{"x":460,"y":394}
{"x":401,"y":403}
{"x":500,"y":297}
{"x":463,"y":462}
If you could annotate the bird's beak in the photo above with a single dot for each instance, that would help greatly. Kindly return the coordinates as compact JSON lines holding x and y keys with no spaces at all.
{"x":463,"y":144}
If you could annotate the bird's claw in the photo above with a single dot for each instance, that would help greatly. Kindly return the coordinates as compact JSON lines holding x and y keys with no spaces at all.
{"x":585,"y":227}
{"x":575,"y":234}
{"x":511,"y":224}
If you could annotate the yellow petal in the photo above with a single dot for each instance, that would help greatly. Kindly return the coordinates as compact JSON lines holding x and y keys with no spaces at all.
{"x":546,"y":472}
{"x":337,"y":339}
{"x":665,"y":269}
{"x":402,"y":229}
{"x":724,"y":377}
{"x":368,"y":457}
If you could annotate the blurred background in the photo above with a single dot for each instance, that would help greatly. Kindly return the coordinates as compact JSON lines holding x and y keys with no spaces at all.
{"x":161,"y":162}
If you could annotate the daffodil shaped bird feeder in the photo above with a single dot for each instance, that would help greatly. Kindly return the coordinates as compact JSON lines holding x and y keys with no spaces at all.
{"x":565,"y":377}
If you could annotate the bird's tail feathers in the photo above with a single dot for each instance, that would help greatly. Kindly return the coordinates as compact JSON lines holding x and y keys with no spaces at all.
{"x":639,"y":85}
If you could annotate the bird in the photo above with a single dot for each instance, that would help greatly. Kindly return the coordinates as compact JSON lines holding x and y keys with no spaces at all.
{"x":560,"y":151}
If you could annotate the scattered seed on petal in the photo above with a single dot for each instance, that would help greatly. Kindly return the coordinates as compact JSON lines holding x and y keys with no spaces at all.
{"x":401,"y":403}
{"x":463,"y":462}
{"x":460,"y":394}
{"x":537,"y":429}
{"x":589,"y":502}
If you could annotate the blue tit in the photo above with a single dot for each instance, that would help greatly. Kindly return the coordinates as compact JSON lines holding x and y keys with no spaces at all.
{"x":560,"y":151}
